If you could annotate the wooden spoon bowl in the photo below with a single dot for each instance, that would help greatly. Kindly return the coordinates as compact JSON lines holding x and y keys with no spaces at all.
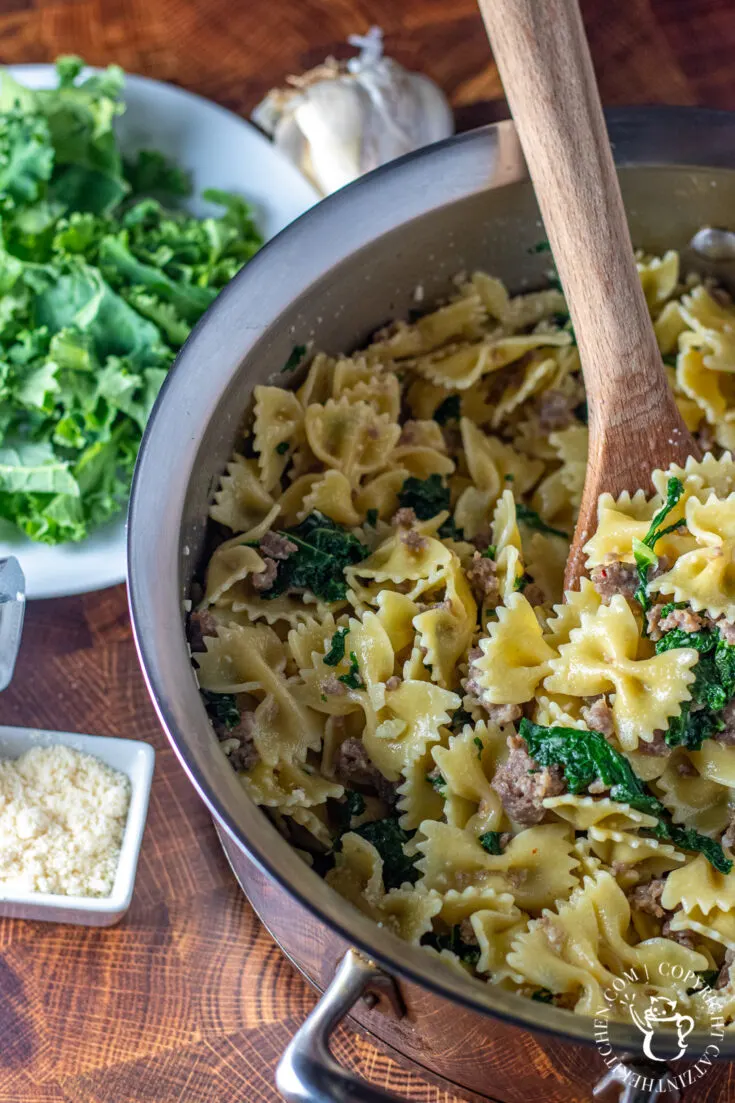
{"x":542,"y":54}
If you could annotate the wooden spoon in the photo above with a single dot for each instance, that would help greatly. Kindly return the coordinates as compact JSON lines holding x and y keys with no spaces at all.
{"x":544,"y":61}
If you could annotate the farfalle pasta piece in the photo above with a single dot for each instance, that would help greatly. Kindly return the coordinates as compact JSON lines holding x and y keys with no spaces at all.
{"x":515,"y":657}
{"x":467,"y":766}
{"x":380,"y":493}
{"x":659,"y":277}
{"x":621,"y":521}
{"x":277,"y":429}
{"x":231,"y":562}
{"x":699,"y":885}
{"x":331,"y":494}
{"x":445,"y":631}
{"x":395,"y":613}
{"x":358,"y":877}
{"x":350,"y":436}
{"x":714,"y":326}
{"x":398,"y":561}
{"x":286,"y":786}
{"x":716,"y":762}
{"x":241,"y":501}
{"x":704,"y":576}
{"x":317,"y":387}
{"x":700,"y":478}
{"x":602,"y":655}
{"x":517,"y":312}
{"x":462,"y":318}
{"x":626,"y":850}
{"x":252,"y":660}
{"x":536,"y":867}
{"x":461,"y":367}
{"x":698,"y":382}
{"x":537,"y":371}
{"x":570,"y":446}
{"x":582,"y":949}
{"x":693,"y":800}
{"x":409,"y":722}
{"x":585,"y":812}
{"x":417,"y":799}
{"x":545,"y":559}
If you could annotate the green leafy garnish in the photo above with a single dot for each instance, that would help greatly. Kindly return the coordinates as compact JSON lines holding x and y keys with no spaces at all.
{"x":448,"y":410}
{"x":540,"y":247}
{"x":337,"y":648}
{"x":352,"y":678}
{"x":371,"y":517}
{"x":586,"y":756}
{"x":490,"y":552}
{"x":467,"y":952}
{"x":480,"y":745}
{"x":282,"y":448}
{"x":100,"y":285}
{"x":436,"y":780}
{"x":490,"y":841}
{"x":389,"y":839}
{"x":298,"y":352}
{"x":543,"y":995}
{"x":531,"y":518}
{"x":324,"y":549}
{"x":222,"y":708}
{"x":509,"y":478}
{"x":644,"y":550}
{"x":581,"y":412}
{"x":670,"y":359}
{"x":426,"y":497}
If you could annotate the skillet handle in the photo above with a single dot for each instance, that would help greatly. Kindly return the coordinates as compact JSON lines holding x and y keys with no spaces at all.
{"x":307,"y":1072}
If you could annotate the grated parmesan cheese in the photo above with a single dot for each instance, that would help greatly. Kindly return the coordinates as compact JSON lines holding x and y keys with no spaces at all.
{"x":62,"y":820}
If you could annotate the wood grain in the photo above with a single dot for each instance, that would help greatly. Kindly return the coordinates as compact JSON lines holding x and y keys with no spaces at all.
{"x":188,"y":999}
{"x":544,"y":61}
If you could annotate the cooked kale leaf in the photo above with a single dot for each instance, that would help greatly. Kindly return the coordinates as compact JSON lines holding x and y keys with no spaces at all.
{"x":222,"y":708}
{"x":324,"y":550}
{"x":389,"y":838}
{"x":337,"y":648}
{"x":351,"y":805}
{"x":532,"y":519}
{"x":586,"y":756}
{"x":352,"y":678}
{"x":713,"y":686}
{"x":644,"y":550}
{"x":298,"y":352}
{"x":490,"y":842}
{"x":448,"y":410}
{"x":426,"y":497}
{"x":467,"y":952}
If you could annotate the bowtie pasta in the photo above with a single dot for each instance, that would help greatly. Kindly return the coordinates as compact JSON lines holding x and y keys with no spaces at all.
{"x":533,"y":786}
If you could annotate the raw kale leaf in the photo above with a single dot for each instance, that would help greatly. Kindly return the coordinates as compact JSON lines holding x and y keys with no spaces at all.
{"x":82,"y":353}
{"x":467,"y":952}
{"x":426,"y":497}
{"x":337,"y":648}
{"x":531,"y":518}
{"x":324,"y":550}
{"x":389,"y":838}
{"x":586,"y":756}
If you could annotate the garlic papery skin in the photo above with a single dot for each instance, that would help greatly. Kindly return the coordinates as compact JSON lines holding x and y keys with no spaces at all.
{"x":341,"y":120}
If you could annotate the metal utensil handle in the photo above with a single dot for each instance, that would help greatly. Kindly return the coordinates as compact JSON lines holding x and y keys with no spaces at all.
{"x":307,"y":1072}
{"x":12,"y":609}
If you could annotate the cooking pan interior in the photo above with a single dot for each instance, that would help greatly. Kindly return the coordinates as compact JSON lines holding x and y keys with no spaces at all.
{"x":328,"y":282}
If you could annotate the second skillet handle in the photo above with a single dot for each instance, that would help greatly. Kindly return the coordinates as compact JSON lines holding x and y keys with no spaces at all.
{"x":544,"y":62}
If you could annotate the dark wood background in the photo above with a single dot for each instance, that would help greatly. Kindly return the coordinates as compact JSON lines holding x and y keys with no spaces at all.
{"x":188,"y":999}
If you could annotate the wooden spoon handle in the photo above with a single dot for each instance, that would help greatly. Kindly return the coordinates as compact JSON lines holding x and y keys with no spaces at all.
{"x":542,"y":54}
{"x":544,"y":61}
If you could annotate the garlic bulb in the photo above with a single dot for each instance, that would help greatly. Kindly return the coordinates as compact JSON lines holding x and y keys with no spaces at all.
{"x":340,"y":119}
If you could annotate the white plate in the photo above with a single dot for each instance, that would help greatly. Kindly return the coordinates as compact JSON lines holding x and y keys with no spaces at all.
{"x":220,"y":150}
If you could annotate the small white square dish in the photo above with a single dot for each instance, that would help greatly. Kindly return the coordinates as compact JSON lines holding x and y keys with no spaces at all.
{"x":132,"y":758}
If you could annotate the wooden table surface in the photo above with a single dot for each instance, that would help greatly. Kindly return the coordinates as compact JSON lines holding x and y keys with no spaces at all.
{"x":188,"y":999}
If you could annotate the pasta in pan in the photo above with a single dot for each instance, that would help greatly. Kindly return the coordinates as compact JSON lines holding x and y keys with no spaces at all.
{"x":537,"y":790}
